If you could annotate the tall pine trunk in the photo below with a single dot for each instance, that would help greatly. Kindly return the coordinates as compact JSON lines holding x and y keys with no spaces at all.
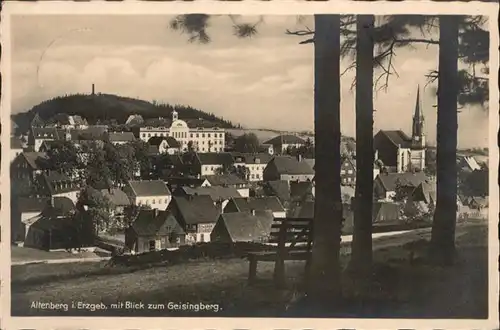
{"x":361,"y":257}
{"x":324,"y":280}
{"x":443,"y":228}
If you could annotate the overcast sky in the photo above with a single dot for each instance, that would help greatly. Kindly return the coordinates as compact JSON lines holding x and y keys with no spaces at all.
{"x":263,"y":82}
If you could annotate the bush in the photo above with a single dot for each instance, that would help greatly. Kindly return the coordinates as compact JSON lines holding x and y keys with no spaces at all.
{"x":200,"y":251}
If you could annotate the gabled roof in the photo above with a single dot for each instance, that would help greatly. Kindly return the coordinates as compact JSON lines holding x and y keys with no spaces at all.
{"x":300,"y":189}
{"x":245,"y":227}
{"x":155,"y":222}
{"x":149,"y":188}
{"x":280,"y":189}
{"x":45,"y":133}
{"x":134,"y":120}
{"x":397,"y":137}
{"x":157,"y":141}
{"x":250,"y":158}
{"x":385,"y":211}
{"x":407,"y":179}
{"x":32,"y":204}
{"x":121,"y":137}
{"x":270,"y":203}
{"x":479,"y":200}
{"x":58,"y":183}
{"x":196,"y":209}
{"x":116,"y":196}
{"x":291,"y":166}
{"x":15,"y":143}
{"x":225,"y":180}
{"x":425,"y":192}
{"x":214,"y":158}
{"x":34,"y":159}
{"x":217,"y":193}
{"x":285,"y":139}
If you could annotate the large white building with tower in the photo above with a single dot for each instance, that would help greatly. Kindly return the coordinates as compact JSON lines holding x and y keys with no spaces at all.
{"x":203,"y":139}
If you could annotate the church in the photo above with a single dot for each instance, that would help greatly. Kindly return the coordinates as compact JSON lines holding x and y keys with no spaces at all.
{"x":400,"y":152}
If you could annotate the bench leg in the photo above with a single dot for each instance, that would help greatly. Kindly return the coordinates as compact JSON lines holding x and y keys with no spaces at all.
{"x":252,"y":271}
{"x":279,"y":273}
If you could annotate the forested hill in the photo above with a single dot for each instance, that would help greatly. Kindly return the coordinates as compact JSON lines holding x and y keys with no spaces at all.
{"x":103,"y":108}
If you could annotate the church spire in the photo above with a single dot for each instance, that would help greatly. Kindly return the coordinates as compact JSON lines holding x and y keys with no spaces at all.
{"x":418,"y":117}
{"x":418,"y":123}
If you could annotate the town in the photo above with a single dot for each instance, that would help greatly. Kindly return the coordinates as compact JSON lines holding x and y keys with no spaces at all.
{"x":157,"y":184}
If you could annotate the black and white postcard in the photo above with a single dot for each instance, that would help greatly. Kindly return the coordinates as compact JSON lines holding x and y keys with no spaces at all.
{"x":248,"y":164}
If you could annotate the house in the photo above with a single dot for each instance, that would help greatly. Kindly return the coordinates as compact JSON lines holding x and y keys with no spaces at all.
{"x":55,"y":184}
{"x":267,"y":148}
{"x":219,"y":195}
{"x":28,"y":165}
{"x":24,"y":209}
{"x":118,"y":199}
{"x":385,"y":211}
{"x":117,"y":138}
{"x":478,"y":202}
{"x":280,"y":189}
{"x":165,"y":144}
{"x":52,"y":233}
{"x":154,"y":193}
{"x":253,"y":226}
{"x":281,"y":143}
{"x":348,"y":171}
{"x":154,"y":230}
{"x":64,"y":120}
{"x":134,"y":120}
{"x":385,"y":184}
{"x":247,"y":204}
{"x":299,"y":190}
{"x":196,"y":214}
{"x":38,"y":135}
{"x":467,"y":163}
{"x":210,"y":163}
{"x":228,"y":180}
{"x":16,"y":148}
{"x":288,"y":169}
{"x":398,"y":150}
{"x":256,"y":164}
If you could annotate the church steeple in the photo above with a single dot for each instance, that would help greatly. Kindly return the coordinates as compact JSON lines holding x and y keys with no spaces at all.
{"x":418,"y":123}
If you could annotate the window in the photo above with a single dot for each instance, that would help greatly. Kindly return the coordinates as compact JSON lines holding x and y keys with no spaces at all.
{"x":154,"y":201}
{"x":348,"y":179}
{"x":203,"y":135}
{"x":208,"y":134}
{"x":253,"y":176}
{"x":152,"y":245}
{"x":149,"y":134}
{"x":143,"y":135}
{"x":342,"y":171}
{"x":191,"y":135}
{"x":349,"y":171}
{"x":202,"y":238}
{"x":257,"y":176}
{"x":202,"y":149}
{"x":197,"y":135}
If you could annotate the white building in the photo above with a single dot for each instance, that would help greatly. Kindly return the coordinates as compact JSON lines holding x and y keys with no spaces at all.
{"x":202,"y":139}
{"x":153,"y":193}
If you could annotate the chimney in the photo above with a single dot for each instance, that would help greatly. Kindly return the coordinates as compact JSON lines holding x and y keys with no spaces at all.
{"x":93,"y":89}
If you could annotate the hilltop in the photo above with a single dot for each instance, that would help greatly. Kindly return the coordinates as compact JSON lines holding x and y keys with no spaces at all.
{"x":102,"y":108}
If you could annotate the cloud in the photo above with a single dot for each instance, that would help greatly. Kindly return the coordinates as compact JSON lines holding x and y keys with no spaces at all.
{"x":266,"y":81}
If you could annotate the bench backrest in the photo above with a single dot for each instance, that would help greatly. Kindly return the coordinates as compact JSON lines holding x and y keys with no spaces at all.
{"x":292,"y":233}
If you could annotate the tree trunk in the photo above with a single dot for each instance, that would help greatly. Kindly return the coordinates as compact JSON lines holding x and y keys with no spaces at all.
{"x":361,"y":257}
{"x":443,"y":228}
{"x":324,"y":280}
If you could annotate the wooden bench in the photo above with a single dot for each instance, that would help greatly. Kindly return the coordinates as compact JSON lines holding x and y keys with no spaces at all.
{"x":293,"y":237}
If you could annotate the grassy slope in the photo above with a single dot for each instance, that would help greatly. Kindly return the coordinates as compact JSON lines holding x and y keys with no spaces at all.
{"x":408,"y":290}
